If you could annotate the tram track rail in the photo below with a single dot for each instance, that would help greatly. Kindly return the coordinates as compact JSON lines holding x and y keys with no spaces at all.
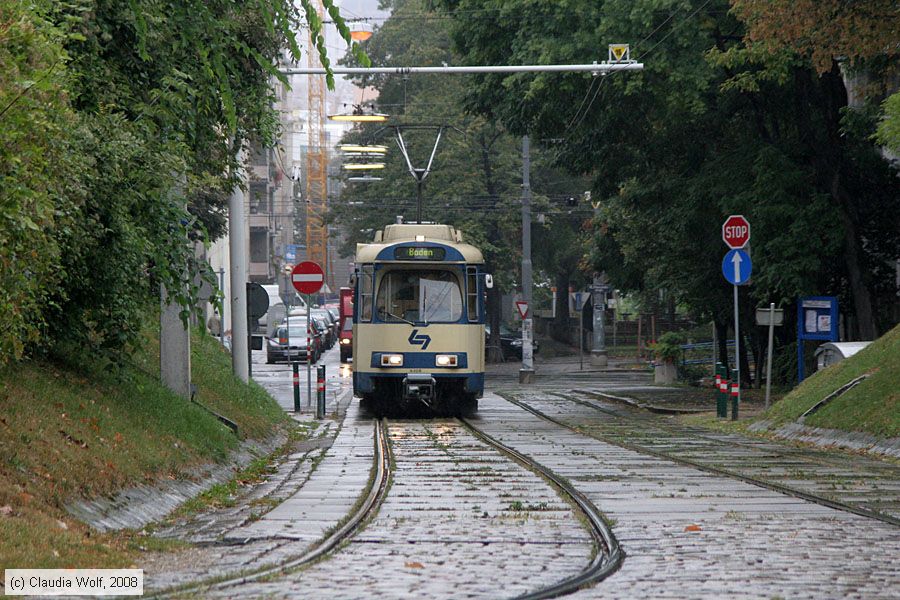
{"x":378,"y":487}
{"x":608,"y":555}
{"x":789,"y":491}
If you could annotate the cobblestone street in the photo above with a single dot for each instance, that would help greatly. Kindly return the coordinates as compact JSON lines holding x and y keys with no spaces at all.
{"x":690,"y":534}
{"x":463,"y":520}
{"x":460,"y":521}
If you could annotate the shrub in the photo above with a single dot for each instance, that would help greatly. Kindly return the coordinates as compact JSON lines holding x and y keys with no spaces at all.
{"x":668,"y":347}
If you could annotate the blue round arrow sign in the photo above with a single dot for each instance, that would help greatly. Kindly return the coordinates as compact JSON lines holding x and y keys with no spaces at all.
{"x":736,"y":267}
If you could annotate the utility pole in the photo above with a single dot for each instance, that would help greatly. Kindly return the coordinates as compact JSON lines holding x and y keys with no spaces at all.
{"x":599,"y":292}
{"x":237,"y":248}
{"x":174,"y":338}
{"x":526,"y":373}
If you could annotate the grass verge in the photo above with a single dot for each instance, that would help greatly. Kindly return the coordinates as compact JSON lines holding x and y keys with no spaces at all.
{"x":69,"y":432}
{"x":873,"y":406}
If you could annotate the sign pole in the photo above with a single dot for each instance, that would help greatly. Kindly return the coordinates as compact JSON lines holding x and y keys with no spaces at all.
{"x":295,"y":376}
{"x":771,"y":341}
{"x":308,"y":353}
{"x":308,"y":278}
{"x":526,"y":373}
{"x":580,"y":331}
{"x":736,"y":267}
{"x":250,"y":343}
{"x":736,"y":399}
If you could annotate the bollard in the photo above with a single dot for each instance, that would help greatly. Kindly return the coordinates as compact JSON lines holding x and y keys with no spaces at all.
{"x":320,"y":392}
{"x":735,"y":394}
{"x":726,"y":384}
{"x":721,"y":399}
{"x":295,"y":367}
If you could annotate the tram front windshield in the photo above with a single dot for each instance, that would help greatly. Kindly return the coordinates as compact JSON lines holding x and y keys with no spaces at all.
{"x":430,"y":296}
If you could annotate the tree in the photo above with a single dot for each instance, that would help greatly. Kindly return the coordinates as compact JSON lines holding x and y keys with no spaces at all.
{"x":710,"y":127}
{"x":36,"y":162}
{"x":117,"y":114}
{"x":824,"y":30}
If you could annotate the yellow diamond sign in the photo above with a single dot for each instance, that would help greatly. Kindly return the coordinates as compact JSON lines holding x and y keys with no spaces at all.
{"x":618,"y":52}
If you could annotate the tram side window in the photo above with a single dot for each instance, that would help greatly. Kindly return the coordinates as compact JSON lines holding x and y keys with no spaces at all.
{"x":365,"y":293}
{"x":472,"y":293}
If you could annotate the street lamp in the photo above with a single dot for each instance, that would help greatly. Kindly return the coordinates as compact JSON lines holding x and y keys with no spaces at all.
{"x":361,"y":149}
{"x":360,"y":115}
{"x":363,"y":166}
{"x":360,"y":31}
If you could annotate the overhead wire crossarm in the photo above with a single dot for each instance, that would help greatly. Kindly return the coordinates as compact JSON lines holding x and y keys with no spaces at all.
{"x":598,"y":68}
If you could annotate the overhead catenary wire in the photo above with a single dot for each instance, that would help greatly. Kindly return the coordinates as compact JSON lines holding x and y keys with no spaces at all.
{"x":580,"y":115}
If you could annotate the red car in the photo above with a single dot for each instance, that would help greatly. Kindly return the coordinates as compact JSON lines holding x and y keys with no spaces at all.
{"x":346,"y":324}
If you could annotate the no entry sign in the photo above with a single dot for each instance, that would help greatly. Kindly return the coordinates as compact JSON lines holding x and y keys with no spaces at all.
{"x":307,"y":277}
{"x":736,"y":232}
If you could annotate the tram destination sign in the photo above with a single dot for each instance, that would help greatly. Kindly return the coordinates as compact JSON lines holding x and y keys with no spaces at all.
{"x":419,"y":253}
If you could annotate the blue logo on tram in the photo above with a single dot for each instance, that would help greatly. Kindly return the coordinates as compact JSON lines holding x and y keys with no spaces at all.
{"x":419,"y":340}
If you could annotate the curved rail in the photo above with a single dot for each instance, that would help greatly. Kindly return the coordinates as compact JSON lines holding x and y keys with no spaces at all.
{"x":609,"y":555}
{"x":776,"y":487}
{"x":377,"y":491}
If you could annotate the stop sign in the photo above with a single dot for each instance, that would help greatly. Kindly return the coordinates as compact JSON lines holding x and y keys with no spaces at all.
{"x":307,"y":277}
{"x":736,"y":231}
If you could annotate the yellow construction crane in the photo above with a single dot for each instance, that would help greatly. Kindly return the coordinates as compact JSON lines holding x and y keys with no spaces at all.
{"x":317,"y":165}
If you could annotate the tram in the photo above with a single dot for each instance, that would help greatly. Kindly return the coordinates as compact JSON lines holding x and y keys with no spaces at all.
{"x":418,"y":319}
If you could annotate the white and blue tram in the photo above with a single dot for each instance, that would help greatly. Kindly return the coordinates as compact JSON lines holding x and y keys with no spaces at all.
{"x":418,"y":319}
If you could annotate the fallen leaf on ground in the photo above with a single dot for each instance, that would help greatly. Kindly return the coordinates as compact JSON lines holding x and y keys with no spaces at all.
{"x":5,"y":510}
{"x":692,"y":528}
{"x":62,"y":525}
{"x":415,"y":565}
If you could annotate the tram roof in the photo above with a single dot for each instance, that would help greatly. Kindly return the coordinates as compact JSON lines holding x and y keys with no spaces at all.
{"x":406,"y":233}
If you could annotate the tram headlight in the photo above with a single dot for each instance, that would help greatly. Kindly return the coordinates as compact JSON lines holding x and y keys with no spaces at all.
{"x":445,"y":360}
{"x":391,"y":360}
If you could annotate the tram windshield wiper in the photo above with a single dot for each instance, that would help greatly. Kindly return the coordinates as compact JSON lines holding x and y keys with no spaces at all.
{"x":384,"y":312}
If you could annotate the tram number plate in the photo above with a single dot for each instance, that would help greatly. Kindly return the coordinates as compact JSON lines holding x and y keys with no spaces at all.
{"x":419,"y":253}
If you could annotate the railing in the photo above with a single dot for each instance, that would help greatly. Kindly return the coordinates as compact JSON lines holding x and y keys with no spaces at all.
{"x":701,"y":353}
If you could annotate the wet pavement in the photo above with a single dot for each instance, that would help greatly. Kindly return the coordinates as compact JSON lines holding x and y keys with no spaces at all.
{"x":691,"y":534}
{"x":311,"y":490}
{"x":867,"y":483}
{"x":462,"y":520}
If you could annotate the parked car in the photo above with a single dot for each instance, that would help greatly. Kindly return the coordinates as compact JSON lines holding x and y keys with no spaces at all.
{"x":510,"y":341}
{"x":322,"y":324}
{"x":317,"y":333}
{"x":277,"y":308}
{"x":290,"y":344}
{"x":331,"y":322}
{"x":834,"y":352}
